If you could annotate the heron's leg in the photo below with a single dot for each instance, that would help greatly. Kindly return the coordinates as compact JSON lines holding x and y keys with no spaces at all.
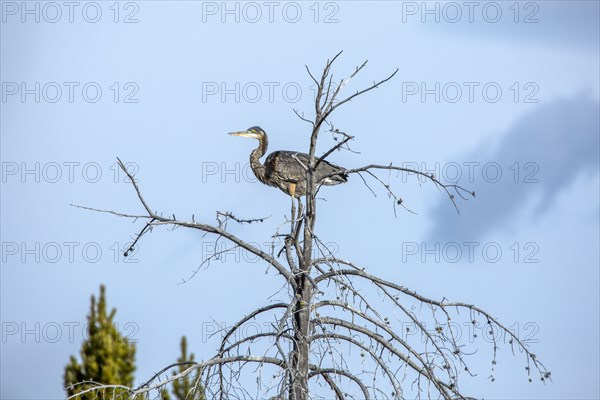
{"x":292,"y":190}
{"x":300,"y":208}
{"x":299,"y":217}
{"x":293,"y":216}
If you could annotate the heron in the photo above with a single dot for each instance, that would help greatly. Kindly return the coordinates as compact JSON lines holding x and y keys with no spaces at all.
{"x":287,"y":170}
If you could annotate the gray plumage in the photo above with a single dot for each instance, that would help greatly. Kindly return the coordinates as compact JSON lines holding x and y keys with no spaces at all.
{"x":287,"y":170}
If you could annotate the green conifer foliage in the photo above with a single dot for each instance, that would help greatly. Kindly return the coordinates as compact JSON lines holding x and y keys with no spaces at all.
{"x":187,"y":388}
{"x":107,"y":357}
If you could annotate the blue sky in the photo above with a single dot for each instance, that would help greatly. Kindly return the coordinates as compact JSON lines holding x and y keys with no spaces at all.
{"x":186,"y":73}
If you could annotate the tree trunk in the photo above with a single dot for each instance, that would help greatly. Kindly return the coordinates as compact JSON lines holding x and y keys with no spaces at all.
{"x":299,"y":359}
{"x":300,"y":356}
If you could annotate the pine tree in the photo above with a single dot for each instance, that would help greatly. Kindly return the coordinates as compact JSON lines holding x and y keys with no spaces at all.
{"x":186,"y":388}
{"x":106,"y":356}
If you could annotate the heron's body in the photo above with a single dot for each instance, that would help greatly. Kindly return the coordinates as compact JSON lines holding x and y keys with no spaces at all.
{"x":287,"y":170}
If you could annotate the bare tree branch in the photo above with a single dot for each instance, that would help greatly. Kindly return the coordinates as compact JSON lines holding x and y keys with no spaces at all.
{"x":323,"y":303}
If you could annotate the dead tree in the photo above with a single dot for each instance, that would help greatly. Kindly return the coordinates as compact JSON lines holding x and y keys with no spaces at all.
{"x":326,"y":314}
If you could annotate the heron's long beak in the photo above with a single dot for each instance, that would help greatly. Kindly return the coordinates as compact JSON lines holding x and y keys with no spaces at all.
{"x":243,"y":134}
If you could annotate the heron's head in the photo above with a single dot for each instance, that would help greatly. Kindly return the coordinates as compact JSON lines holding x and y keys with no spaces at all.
{"x":254,"y":132}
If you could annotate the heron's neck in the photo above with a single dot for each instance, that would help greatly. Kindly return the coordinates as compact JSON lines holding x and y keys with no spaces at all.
{"x":255,"y":164}
{"x":260,"y":151}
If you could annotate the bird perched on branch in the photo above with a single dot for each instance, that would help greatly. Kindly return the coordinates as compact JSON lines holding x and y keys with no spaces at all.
{"x":287,"y":170}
